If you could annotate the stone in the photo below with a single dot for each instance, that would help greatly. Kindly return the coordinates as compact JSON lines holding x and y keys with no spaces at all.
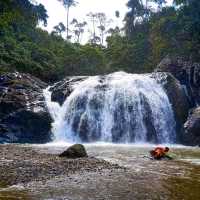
{"x":61,"y":90}
{"x":177,"y":97}
{"x":187,"y":72}
{"x":192,"y":128}
{"x":75,"y":151}
{"x":24,"y":117}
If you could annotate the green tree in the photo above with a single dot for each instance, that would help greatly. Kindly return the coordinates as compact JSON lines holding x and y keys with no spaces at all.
{"x":133,"y":16}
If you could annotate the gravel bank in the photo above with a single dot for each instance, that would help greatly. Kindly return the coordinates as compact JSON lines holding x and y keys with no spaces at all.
{"x":21,"y":164}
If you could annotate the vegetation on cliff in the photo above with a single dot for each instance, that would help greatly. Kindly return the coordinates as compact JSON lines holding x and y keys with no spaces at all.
{"x":148,"y":36}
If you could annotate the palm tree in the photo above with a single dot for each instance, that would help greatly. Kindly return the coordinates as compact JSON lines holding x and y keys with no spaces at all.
{"x":59,"y":28}
{"x":67,"y":4}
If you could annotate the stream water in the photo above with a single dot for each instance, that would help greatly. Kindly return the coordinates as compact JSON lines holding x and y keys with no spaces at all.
{"x":142,"y":179}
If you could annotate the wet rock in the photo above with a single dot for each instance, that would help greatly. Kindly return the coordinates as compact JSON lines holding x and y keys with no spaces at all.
{"x":192,"y":128}
{"x":75,"y":151}
{"x":177,"y":97}
{"x":23,"y":114}
{"x":62,"y":89}
{"x":188,"y":73}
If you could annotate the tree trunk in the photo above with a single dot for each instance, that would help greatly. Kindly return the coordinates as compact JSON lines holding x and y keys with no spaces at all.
{"x":102,"y":37}
{"x":94,"y":32}
{"x":67,"y":22}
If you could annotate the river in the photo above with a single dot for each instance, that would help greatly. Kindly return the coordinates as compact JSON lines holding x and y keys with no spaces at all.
{"x":141,"y":178}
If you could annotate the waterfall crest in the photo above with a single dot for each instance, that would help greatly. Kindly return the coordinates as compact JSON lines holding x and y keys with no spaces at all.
{"x":118,"y":107}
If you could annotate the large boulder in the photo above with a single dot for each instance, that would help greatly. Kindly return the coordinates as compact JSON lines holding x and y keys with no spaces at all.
{"x":23,"y":114}
{"x":177,"y":97}
{"x":188,"y":74}
{"x":75,"y":151}
{"x":192,"y":128}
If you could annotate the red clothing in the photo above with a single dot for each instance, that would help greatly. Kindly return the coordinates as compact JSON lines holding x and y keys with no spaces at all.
{"x":158,"y":152}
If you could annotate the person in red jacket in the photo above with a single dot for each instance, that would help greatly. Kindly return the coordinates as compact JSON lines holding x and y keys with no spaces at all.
{"x":159,"y":152}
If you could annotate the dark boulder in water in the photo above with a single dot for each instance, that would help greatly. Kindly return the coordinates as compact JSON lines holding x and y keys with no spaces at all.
{"x":192,"y":128}
{"x":23,"y":114}
{"x":75,"y":151}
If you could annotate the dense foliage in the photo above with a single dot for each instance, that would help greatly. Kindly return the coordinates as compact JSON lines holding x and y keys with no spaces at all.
{"x":149,"y":36}
{"x":25,"y":47}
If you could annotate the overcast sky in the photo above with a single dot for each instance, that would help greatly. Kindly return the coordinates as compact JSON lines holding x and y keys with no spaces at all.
{"x":57,"y":13}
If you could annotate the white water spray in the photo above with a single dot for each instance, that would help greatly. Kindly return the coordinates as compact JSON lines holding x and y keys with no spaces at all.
{"x":119,"y":107}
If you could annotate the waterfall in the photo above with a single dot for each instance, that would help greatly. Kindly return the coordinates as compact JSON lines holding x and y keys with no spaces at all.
{"x":118,"y":107}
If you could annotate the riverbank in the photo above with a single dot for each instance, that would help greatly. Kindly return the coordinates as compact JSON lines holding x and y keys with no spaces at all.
{"x":111,"y":172}
{"x":22,"y":164}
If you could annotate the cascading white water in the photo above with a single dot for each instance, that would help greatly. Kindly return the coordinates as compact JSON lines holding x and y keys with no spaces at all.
{"x":119,"y":107}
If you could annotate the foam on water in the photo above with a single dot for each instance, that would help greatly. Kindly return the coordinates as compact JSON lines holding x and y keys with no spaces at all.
{"x":107,"y":144}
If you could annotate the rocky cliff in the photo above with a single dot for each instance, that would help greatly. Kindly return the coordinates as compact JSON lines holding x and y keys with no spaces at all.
{"x":23,"y":116}
{"x":188,"y":74}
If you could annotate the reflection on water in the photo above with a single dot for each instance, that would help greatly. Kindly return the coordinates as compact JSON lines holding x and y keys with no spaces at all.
{"x":143,"y":179}
{"x":184,"y":187}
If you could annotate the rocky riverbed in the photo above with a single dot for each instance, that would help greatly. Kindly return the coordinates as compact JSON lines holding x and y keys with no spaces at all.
{"x":23,"y":164}
{"x":117,"y":172}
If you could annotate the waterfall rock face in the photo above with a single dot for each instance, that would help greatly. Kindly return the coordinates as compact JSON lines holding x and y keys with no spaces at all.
{"x":188,"y":74}
{"x":23,"y":116}
{"x":119,"y":107}
{"x":178,"y":98}
{"x":61,"y":90}
{"x":192,"y":128}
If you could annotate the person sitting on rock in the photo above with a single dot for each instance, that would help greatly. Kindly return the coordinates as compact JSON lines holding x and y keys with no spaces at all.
{"x":160,"y":153}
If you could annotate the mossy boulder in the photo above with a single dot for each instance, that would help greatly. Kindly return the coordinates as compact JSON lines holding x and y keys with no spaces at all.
{"x":75,"y":151}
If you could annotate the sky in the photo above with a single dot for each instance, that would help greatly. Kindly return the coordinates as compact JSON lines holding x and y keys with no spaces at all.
{"x":57,"y":12}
